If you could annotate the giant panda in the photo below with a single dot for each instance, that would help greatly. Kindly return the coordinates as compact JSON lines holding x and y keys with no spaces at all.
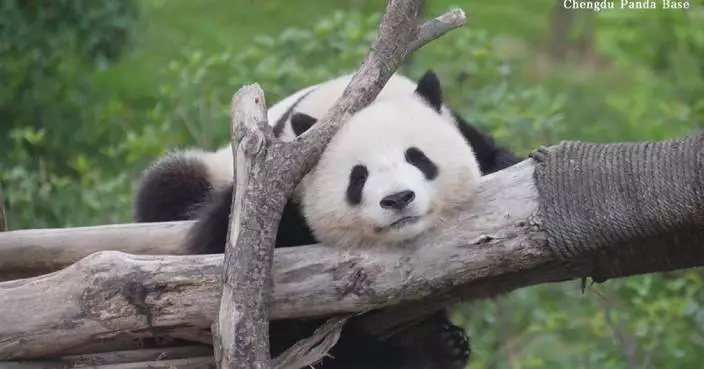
{"x":383,"y":179}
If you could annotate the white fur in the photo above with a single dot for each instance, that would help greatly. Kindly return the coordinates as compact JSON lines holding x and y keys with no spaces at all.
{"x":378,"y":138}
{"x":317,"y":103}
{"x":278,"y":109}
{"x":221,"y":166}
{"x":218,"y":165}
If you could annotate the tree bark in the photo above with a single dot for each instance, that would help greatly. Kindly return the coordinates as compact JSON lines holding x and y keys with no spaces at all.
{"x":241,"y":332}
{"x":266,"y":172}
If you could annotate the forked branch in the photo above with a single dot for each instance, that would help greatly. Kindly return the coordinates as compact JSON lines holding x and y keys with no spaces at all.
{"x":266,"y":172}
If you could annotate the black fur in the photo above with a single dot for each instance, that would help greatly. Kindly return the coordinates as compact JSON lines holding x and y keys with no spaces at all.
{"x":301,"y":122}
{"x":171,"y":189}
{"x":429,"y":89}
{"x":208,"y":234}
{"x":177,"y":187}
{"x":417,"y":158}
{"x":491,"y":158}
{"x":451,"y":351}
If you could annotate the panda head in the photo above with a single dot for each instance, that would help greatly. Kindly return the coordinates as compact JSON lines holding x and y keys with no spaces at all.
{"x":393,"y":171}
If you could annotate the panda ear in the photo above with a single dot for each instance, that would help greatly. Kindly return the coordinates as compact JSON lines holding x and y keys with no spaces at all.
{"x":301,"y":122}
{"x":429,"y":89}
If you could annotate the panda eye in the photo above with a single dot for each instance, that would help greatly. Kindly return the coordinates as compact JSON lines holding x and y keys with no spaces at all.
{"x":358,"y":176}
{"x":417,"y":158}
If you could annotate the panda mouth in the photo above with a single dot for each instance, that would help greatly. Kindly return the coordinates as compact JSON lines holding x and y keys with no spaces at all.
{"x":402,"y":222}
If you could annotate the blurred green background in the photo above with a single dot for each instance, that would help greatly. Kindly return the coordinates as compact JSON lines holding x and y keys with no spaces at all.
{"x":92,"y":90}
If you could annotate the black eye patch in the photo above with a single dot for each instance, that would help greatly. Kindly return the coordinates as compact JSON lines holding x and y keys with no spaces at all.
{"x":417,"y":158}
{"x":358,"y":176}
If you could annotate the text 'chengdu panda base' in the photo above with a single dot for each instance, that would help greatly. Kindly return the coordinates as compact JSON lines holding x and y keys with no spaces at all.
{"x":598,"y":6}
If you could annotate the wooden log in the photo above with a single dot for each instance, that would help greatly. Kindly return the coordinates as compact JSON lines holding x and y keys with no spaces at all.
{"x":115,"y":357}
{"x":123,"y":342}
{"x":111,"y":292}
{"x":204,"y":362}
{"x":27,"y":253}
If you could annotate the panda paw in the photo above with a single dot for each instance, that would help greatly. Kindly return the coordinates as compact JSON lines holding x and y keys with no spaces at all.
{"x":457,"y":344}
{"x":440,"y":344}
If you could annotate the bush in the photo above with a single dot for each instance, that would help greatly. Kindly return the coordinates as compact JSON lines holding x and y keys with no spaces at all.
{"x":53,"y":115}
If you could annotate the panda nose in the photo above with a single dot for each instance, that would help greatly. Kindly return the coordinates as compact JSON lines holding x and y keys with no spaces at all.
{"x":398,"y":200}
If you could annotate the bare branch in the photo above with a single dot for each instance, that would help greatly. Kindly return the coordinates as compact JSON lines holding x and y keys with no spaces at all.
{"x":437,"y":27}
{"x":241,"y":334}
{"x":310,"y":351}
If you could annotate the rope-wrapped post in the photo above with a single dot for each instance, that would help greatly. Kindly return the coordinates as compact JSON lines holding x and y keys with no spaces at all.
{"x":624,"y":208}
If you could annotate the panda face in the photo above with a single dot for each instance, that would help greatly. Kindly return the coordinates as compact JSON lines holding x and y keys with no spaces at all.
{"x":392,"y":172}
{"x":391,"y":193}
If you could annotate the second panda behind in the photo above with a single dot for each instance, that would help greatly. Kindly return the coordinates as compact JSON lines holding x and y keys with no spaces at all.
{"x":393,"y":171}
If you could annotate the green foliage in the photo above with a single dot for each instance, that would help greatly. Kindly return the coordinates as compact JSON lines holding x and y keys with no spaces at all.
{"x":663,"y":50}
{"x":53,"y":115}
{"x":193,"y":103}
{"x":38,"y":196}
{"x":80,"y":122}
